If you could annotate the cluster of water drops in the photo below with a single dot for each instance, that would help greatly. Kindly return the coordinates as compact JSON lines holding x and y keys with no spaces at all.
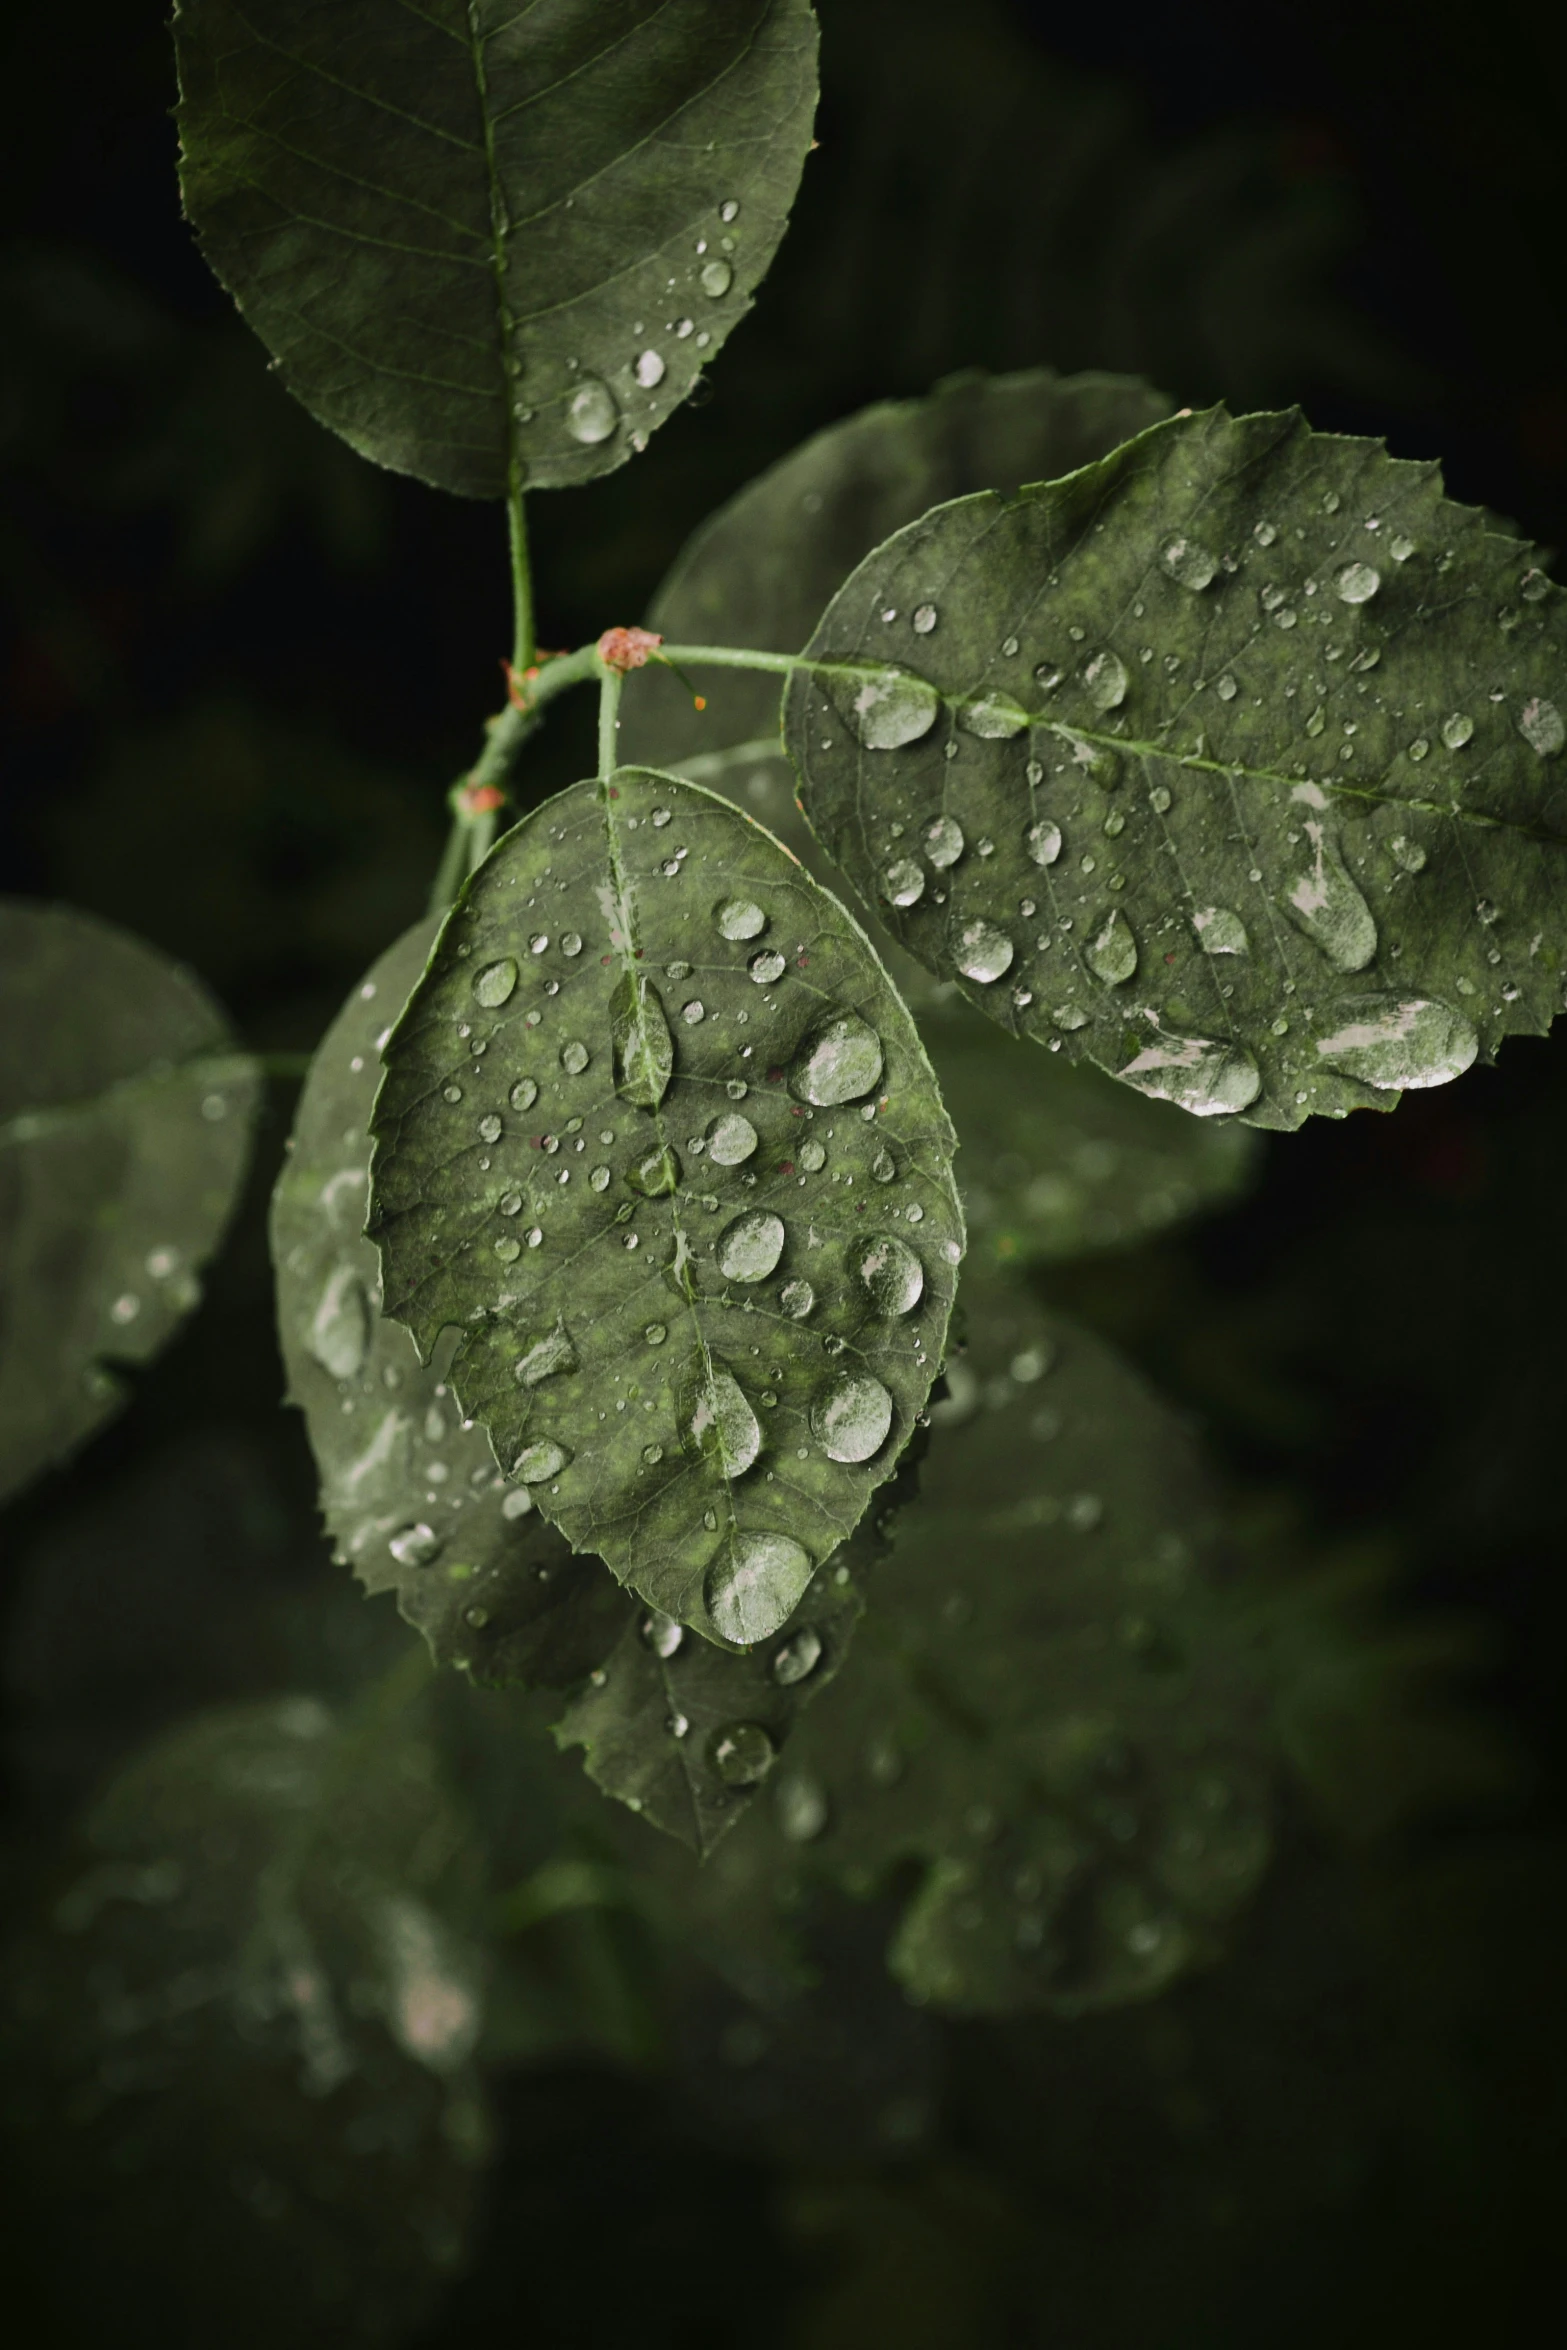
{"x":593,"y":413}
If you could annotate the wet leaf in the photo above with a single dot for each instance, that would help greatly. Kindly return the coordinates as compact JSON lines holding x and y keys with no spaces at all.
{"x":411,"y":1496}
{"x":1053,"y":1708}
{"x":702,"y":1334}
{"x":1270,"y":731}
{"x":255,"y":1997}
{"x":125,"y":1126}
{"x":478,"y":244}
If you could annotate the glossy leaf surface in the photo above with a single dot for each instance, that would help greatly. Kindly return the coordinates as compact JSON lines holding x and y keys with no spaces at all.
{"x":1268,"y":731}
{"x":658,"y":1140}
{"x":125,"y":1125}
{"x":483,"y":241}
{"x":411,"y":1496}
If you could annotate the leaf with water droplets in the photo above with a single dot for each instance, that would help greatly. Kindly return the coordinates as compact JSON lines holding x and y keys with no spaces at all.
{"x":468,"y":236}
{"x":655,"y":1362}
{"x":125,"y":1130}
{"x":1293,"y":742}
{"x":411,"y":1495}
{"x":1054,"y":1707}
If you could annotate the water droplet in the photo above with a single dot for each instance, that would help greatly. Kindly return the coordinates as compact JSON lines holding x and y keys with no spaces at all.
{"x":983,"y":952}
{"x":1111,"y":954}
{"x":1395,"y":1042}
{"x":750,"y":1247}
{"x":884,"y":1167}
{"x":571,"y":943}
{"x":655,"y":1334}
{"x":756,"y":1586}
{"x":1540,"y":723}
{"x":591,"y":413}
{"x":1401,"y":548}
{"x":801,"y":1806}
{"x":797,"y":1299}
{"x":415,"y":1546}
{"x":717,"y":278}
{"x":340,"y":1326}
{"x":730,"y":1140}
{"x":1357,"y":583}
{"x":1219,"y":932}
{"x":508,"y":1250}
{"x":538,"y":1462}
{"x":494,"y":984}
{"x":656,"y":1175}
{"x":943,"y":842}
{"x":893,"y":708}
{"x":1265,"y":533}
{"x":1325,"y":903}
{"x":890,"y":1273}
{"x":517,"y":1503}
{"x":657,"y":1631}
{"x":842,"y":1062}
{"x":1457,"y":730}
{"x":546,"y":1357}
{"x":489,"y":1128}
{"x":925,"y":618}
{"x":1106,"y":680}
{"x":644,"y":1051}
{"x":903,"y":883}
{"x":723,"y":1424}
{"x":729,"y":209}
{"x":741,"y":1753}
{"x":599,"y":1179}
{"x":1419,"y":747}
{"x":1226,"y":688}
{"x":851,"y":1418}
{"x":1043,"y":843}
{"x":1408,"y":853}
{"x":1202,"y":1075}
{"x":995,"y":719}
{"x":1187,"y":562}
{"x":766,"y":967}
{"x":574,"y":1058}
{"x":451,"y":1093}
{"x":650,"y":369}
{"x":798,"y":1657}
{"x":739,"y":918}
{"x":524,"y":1094}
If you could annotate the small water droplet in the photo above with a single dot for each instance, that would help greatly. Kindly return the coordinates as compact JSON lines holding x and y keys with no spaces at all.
{"x":694,"y":1012}
{"x":339,"y":1328}
{"x":1419,"y":747}
{"x":813,"y":1157}
{"x":943,"y":842}
{"x":766,"y":967}
{"x":1401,"y":548}
{"x":1356,"y":583}
{"x":1043,"y":843}
{"x":797,"y":1299}
{"x":1398,"y":1043}
{"x":755,"y":1586}
{"x":1188,"y":563}
{"x":731,"y":1139}
{"x":717,"y":278}
{"x":538,"y":1462}
{"x":798,"y":1657}
{"x":851,"y":1417}
{"x":925,"y":618}
{"x":741,"y":1753}
{"x":547,"y":1356}
{"x":984,"y":952}
{"x":494,"y":984}
{"x":750,"y":1247}
{"x":1106,"y":680}
{"x":661,"y":1633}
{"x":890,"y":1273}
{"x":598,"y":1179}
{"x":1541,"y":725}
{"x":903,"y":883}
{"x":840,"y":1063}
{"x":892,"y":709}
{"x":524,"y":1094}
{"x":415,"y":1546}
{"x":1265,"y":533}
{"x":451,"y":1093}
{"x":884,"y":1167}
{"x":1219,"y":932}
{"x":729,"y":209}
{"x":655,"y":1334}
{"x":801,"y":1806}
{"x":1457,"y":729}
{"x":574,"y":1058}
{"x":650,"y":369}
{"x":1226,"y":688}
{"x":489,"y":1127}
{"x":571,"y":943}
{"x":1408,"y":853}
{"x":1111,"y":954}
{"x":508,"y":1250}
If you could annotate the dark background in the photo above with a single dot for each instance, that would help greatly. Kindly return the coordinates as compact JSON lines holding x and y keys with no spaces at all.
{"x":238,"y":668}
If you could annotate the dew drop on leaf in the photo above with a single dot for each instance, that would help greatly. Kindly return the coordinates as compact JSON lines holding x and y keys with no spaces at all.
{"x":644,"y":1050}
{"x":740,"y":918}
{"x":903,"y":883}
{"x":717,"y":278}
{"x":650,"y":369}
{"x":1043,"y":843}
{"x":1209,"y":1078}
{"x":1457,"y":730}
{"x":801,"y":1806}
{"x":489,"y":1128}
{"x":797,"y":1299}
{"x":1220,"y":932}
{"x":1111,"y":954}
{"x":890,"y":1274}
{"x":994,"y":719}
{"x":1398,"y":1042}
{"x":1356,"y":583}
{"x":731,"y":1139}
{"x":925,"y":618}
{"x":661,"y":1633}
{"x":591,"y":413}
{"x":943,"y":842}
{"x":524,"y":1094}
{"x":1325,"y":903}
{"x":840,"y":1063}
{"x":547,"y":1357}
{"x":1106,"y":680}
{"x":1542,"y":727}
{"x":852,"y":1417}
{"x":798,"y":1657}
{"x":892,"y":709}
{"x":415,"y":1546}
{"x":755,"y":1586}
{"x":766,"y":967}
{"x":750,"y":1247}
{"x":494,"y":984}
{"x":656,"y":1175}
{"x":983,"y":952}
{"x":536,"y":1462}
{"x":741,"y":1753}
{"x":574,"y":1058}
{"x":340,"y":1325}
{"x":1188,"y":562}
{"x":723,"y":1424}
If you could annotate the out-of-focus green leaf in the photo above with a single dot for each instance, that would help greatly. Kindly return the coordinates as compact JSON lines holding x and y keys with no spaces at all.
{"x":125,"y":1124}
{"x":410,"y":1491}
{"x":658,"y":1139}
{"x":1266,"y":732}
{"x":255,"y":1999}
{"x":487,"y":243}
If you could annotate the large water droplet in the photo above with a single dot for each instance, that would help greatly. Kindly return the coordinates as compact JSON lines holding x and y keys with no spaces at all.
{"x":767,"y":967}
{"x":591,"y":413}
{"x":797,"y":1299}
{"x":644,"y":1050}
{"x":1106,"y":680}
{"x":661,"y":1633}
{"x":1188,"y":562}
{"x":1043,"y":843}
{"x":1325,"y":903}
{"x":1357,"y":583}
{"x":851,"y":1418}
{"x":740,"y":918}
{"x":524,"y":1094}
{"x":546,"y":1357}
{"x":415,"y":1546}
{"x":994,"y":719}
{"x":493,"y":985}
{"x":1457,"y":730}
{"x":538,"y":1462}
{"x":1219,"y":932}
{"x":798,"y":1657}
{"x":741,"y":1753}
{"x":656,"y":1175}
{"x":650,"y":369}
{"x":943,"y":842}
{"x":903,"y":883}
{"x":730,"y":1140}
{"x":890,"y":1273}
{"x":756,"y":1586}
{"x":893,"y":708}
{"x":983,"y":952}
{"x":723,"y":1424}
{"x":842,"y":1062}
{"x":749,"y":1249}
{"x":1111,"y":954}
{"x":717,"y":278}
{"x":340,"y":1326}
{"x":1398,"y":1042}
{"x":1541,"y":725}
{"x":1203,"y":1075}
{"x":574,"y":1057}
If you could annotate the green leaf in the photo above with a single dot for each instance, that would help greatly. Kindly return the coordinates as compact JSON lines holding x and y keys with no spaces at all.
{"x":1268,"y":729}
{"x":1054,"y":1160}
{"x":487,"y":243}
{"x":411,"y":1494}
{"x":686,"y":1733}
{"x":125,"y":1127}
{"x":1052,"y":1710}
{"x":658,"y":1140}
{"x":255,"y":1999}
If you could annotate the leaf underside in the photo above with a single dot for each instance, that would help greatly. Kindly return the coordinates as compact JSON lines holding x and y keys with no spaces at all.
{"x":1242,"y":772}
{"x":658,"y":1140}
{"x":411,"y":1496}
{"x":1051,"y":1707}
{"x":482,"y":240}
{"x":125,"y":1128}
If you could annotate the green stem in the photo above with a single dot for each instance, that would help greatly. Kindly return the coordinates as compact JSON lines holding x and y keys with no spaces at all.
{"x":523,"y":649}
{"x":611,"y":686}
